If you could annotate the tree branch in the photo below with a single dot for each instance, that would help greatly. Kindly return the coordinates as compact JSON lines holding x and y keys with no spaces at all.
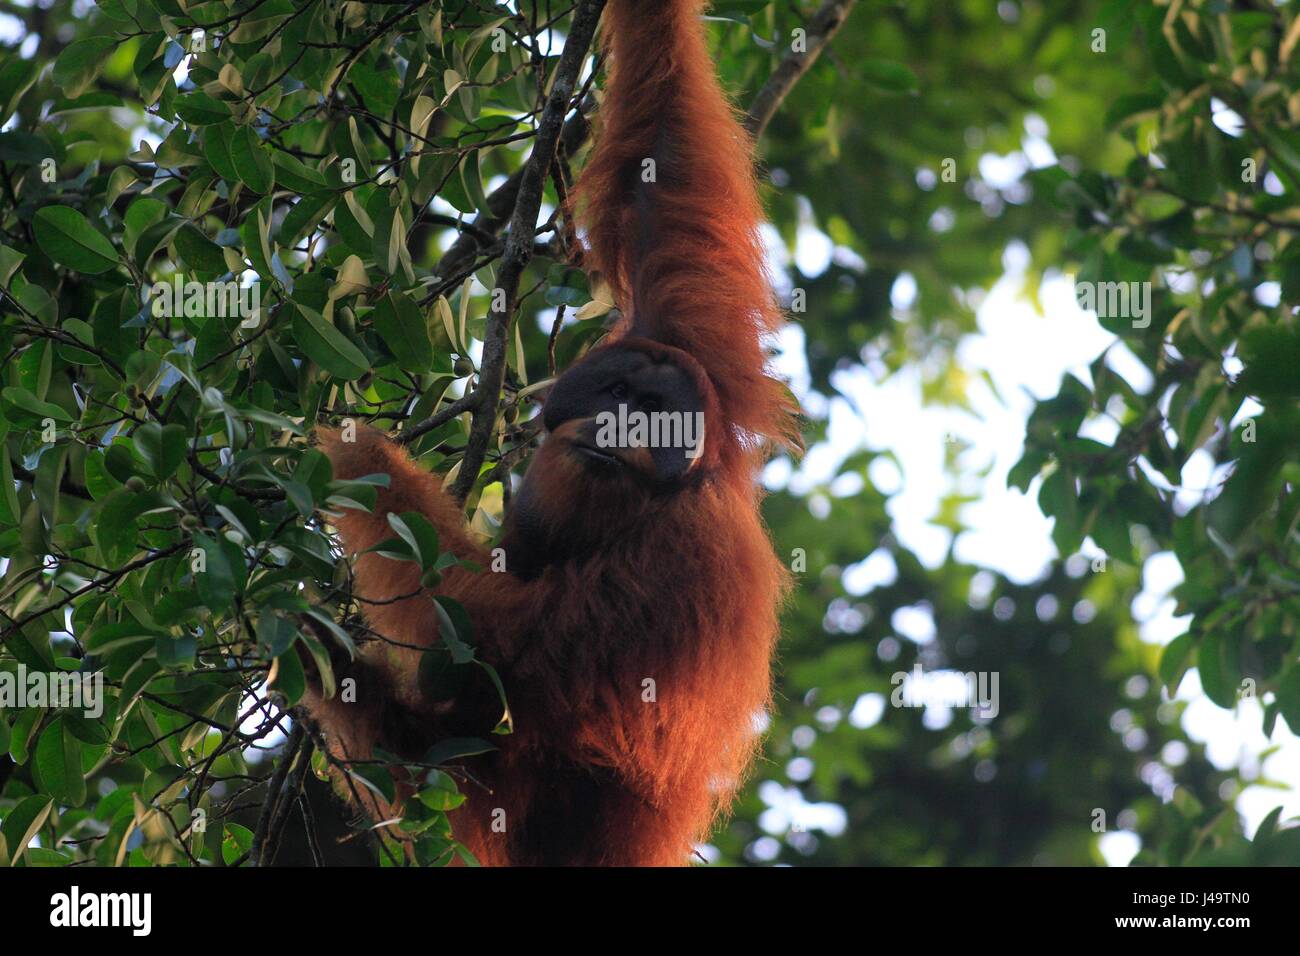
{"x":500,"y":204}
{"x":519,"y":243}
{"x":66,"y":485}
{"x":440,"y":417}
{"x":256,"y":850}
{"x":291,"y":795}
{"x":823,"y":25}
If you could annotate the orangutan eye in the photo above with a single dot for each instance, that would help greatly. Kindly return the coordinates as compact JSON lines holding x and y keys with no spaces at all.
{"x":618,"y":390}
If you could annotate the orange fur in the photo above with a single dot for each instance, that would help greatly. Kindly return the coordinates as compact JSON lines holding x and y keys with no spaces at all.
{"x":680,"y":588}
{"x":683,"y":253}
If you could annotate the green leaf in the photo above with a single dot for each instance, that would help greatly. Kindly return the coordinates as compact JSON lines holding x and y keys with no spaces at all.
{"x":405,"y":331}
{"x":22,"y":400}
{"x":315,"y":472}
{"x":1133,"y":104}
{"x":82,"y":332}
{"x":1288,"y":698}
{"x":58,"y":764}
{"x":252,"y":164}
{"x":162,"y":447}
{"x":415,"y":529}
{"x":394,"y":548}
{"x":235,"y":842}
{"x":35,"y":368}
{"x":261,"y":19}
{"x":23,"y":148}
{"x":276,"y":633}
{"x":22,"y":823}
{"x":442,"y":794}
{"x":118,"y":460}
{"x":1253,"y":487}
{"x":1216,"y":676}
{"x":292,"y":173}
{"x":257,"y":242}
{"x":1058,"y":498}
{"x":79,"y":63}
{"x":86,"y":729}
{"x":327,"y":346}
{"x":173,"y":651}
{"x":1272,"y":357}
{"x":145,"y":222}
{"x":199,"y":109}
{"x":10,"y":260}
{"x":111,"y":637}
{"x":16,"y":77}
{"x":455,"y":629}
{"x":290,"y":679}
{"x":377,"y":779}
{"x":888,"y":75}
{"x":68,"y":238}
{"x":199,"y":252}
{"x":21,"y":734}
{"x":1284,"y":149}
{"x":305,"y":216}
{"x":216,"y":581}
{"x":216,"y":149}
{"x":116,"y":530}
{"x":439,"y":677}
{"x":10,"y":510}
{"x":455,"y":748}
{"x":1175,"y":660}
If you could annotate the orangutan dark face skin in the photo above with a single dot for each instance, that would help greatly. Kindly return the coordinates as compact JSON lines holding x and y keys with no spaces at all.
{"x":623,"y":474}
{"x":618,"y":385}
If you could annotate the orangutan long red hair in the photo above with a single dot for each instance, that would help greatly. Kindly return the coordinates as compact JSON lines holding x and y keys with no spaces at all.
{"x":634,"y":624}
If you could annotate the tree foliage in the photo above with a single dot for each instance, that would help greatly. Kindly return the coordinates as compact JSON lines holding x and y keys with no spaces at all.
{"x":357,"y":164}
{"x":1157,"y":182}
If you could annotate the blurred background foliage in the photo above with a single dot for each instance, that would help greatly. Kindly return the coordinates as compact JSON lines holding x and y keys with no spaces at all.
{"x":884,"y":148}
{"x":1147,"y":188}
